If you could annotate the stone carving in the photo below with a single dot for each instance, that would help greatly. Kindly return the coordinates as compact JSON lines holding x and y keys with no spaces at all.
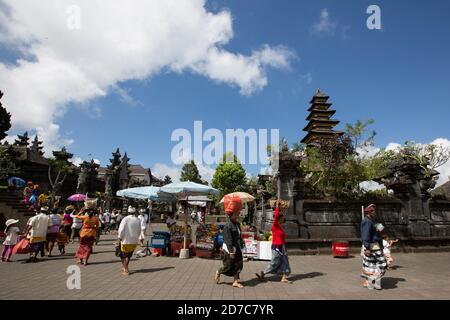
{"x":408,"y":180}
{"x":87,"y":177}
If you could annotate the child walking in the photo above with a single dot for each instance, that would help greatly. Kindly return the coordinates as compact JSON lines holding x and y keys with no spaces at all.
{"x":387,"y":244}
{"x":12,"y":237}
{"x":62,"y":240}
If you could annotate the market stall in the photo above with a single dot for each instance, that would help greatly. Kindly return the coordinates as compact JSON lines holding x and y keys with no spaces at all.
{"x":207,"y":244}
{"x":182,"y":191}
{"x":250,"y":242}
{"x":177,"y":233}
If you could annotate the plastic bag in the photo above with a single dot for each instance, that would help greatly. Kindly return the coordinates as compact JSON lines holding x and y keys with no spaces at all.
{"x":117,"y":249}
{"x":22,"y":247}
{"x":232,"y":204}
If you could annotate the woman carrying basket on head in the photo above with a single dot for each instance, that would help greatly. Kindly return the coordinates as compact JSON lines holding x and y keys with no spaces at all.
{"x":232,"y":246}
{"x":88,"y":235}
{"x":280,"y":262}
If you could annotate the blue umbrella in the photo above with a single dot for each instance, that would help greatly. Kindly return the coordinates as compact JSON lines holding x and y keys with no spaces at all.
{"x":184,"y":189}
{"x":18,"y":181}
{"x":146,"y":193}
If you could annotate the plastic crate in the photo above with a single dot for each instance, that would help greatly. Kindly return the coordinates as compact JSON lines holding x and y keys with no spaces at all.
{"x":160,"y":239}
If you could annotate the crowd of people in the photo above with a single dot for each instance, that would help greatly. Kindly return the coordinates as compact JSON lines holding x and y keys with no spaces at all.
{"x":60,"y":227}
{"x":376,"y":249}
{"x":57,"y":227}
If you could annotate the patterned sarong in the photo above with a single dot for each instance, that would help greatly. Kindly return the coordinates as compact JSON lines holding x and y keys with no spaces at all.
{"x":374,"y":268}
{"x":85,"y":247}
{"x":279,"y":263}
{"x":232,"y":267}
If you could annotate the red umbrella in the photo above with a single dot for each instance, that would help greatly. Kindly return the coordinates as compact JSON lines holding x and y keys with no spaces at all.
{"x":77,"y":197}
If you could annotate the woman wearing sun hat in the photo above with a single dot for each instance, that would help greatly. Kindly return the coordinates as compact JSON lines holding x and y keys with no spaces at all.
{"x":232,"y":246}
{"x":374,"y":262}
{"x":12,"y":237}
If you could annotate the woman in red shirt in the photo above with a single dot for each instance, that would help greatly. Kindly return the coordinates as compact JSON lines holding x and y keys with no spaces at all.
{"x":280,"y":262}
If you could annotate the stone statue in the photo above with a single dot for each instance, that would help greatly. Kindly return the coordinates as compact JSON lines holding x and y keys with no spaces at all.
{"x":108,"y":183}
{"x":82,"y":178}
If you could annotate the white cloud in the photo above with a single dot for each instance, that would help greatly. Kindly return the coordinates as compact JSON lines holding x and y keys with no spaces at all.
{"x":444,"y":170}
{"x":206,"y":172}
{"x":367,"y":151}
{"x":125,"y":96}
{"x":268,"y":170}
{"x":371,"y":186}
{"x":393,"y":147}
{"x":160,"y":170}
{"x":76,"y":161}
{"x":117,"y":41}
{"x":325,"y":26}
{"x":308,"y":78}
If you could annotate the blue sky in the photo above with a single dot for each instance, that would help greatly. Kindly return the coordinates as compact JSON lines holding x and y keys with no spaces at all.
{"x":399,"y":76}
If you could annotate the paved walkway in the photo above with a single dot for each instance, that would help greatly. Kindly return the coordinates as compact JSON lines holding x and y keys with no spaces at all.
{"x":417,"y":276}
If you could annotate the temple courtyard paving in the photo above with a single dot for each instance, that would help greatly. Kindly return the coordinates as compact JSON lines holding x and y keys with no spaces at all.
{"x":416,"y":276}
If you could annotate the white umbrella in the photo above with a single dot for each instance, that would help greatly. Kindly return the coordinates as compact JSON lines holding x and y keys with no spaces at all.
{"x":244,"y":196}
{"x":146,"y":193}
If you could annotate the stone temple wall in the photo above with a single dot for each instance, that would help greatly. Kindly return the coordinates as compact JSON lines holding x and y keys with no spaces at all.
{"x":322,"y":220}
{"x":440,"y":218}
{"x":410,"y":216}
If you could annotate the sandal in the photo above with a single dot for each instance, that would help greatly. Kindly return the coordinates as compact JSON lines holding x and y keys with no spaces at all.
{"x":286,"y":281}
{"x":217,"y":277}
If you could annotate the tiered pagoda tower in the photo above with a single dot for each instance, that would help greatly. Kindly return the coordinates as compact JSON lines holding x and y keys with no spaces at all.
{"x":36,"y":146}
{"x":22,"y":140}
{"x":320,"y":125}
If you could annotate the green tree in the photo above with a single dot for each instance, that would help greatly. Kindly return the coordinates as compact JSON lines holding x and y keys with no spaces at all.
{"x":230,"y":175}
{"x":359,"y":134}
{"x":61,"y":168}
{"x":429,"y":157}
{"x":189,"y":172}
{"x":5,"y":120}
{"x":167,"y":179}
{"x":7,"y":164}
